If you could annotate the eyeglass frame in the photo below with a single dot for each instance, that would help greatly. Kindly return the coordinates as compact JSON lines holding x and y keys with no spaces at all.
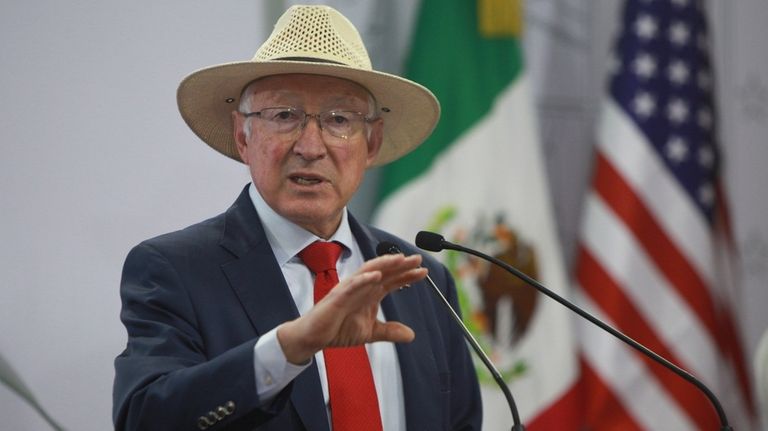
{"x":303,"y":124}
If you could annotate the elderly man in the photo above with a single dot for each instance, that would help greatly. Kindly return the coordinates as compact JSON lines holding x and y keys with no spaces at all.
{"x":241,"y":322}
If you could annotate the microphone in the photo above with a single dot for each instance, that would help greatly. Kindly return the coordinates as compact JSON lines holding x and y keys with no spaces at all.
{"x":435,"y":242}
{"x":386,"y":247}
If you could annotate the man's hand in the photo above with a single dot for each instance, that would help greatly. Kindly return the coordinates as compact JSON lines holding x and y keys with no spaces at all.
{"x":347,"y":315}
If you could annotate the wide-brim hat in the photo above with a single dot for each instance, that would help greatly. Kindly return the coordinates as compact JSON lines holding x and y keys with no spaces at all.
{"x":309,"y":40}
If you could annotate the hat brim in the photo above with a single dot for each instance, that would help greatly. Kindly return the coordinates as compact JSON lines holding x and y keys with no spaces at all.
{"x":207,"y":97}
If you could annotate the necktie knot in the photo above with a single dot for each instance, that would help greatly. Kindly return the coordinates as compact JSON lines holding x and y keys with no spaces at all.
{"x":321,"y":256}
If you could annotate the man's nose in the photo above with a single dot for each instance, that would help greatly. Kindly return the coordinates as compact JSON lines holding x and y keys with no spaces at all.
{"x":309,"y":143}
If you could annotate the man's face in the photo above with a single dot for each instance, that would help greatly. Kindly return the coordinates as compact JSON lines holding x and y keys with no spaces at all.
{"x":308,"y":176}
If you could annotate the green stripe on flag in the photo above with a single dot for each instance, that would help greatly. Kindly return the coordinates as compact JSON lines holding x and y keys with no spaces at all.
{"x":465,"y":69}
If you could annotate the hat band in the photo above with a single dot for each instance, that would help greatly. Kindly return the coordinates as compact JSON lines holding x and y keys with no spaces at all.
{"x":309,"y":59}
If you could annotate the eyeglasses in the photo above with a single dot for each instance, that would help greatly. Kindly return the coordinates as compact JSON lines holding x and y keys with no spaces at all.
{"x":285,"y":120}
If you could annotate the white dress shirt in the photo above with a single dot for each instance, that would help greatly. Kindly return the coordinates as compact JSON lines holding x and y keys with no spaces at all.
{"x":273,"y":371}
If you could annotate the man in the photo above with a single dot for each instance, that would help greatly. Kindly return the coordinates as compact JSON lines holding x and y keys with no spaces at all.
{"x":230,"y":322}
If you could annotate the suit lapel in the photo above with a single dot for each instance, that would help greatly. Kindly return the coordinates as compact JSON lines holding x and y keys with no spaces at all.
{"x":255,"y":275}
{"x":258,"y":282}
{"x":416,"y":359}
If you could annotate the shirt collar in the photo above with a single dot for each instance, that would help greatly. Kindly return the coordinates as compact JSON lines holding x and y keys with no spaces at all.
{"x":286,"y":238}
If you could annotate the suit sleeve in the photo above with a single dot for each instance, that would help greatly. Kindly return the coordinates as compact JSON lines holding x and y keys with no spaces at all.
{"x":163,"y":379}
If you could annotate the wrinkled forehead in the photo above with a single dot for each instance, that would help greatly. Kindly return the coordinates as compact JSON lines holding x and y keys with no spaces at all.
{"x":300,"y":88}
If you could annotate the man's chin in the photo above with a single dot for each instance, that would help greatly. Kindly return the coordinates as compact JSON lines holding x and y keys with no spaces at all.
{"x":314,"y":218}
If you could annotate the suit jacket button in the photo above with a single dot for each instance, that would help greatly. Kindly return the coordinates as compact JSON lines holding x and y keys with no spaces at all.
{"x":230,"y":406}
{"x":214,"y":416}
{"x":203,"y":423}
{"x":222,"y":411}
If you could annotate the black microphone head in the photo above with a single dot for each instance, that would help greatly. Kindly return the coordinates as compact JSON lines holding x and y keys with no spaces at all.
{"x":386,"y":247}
{"x":429,"y":241}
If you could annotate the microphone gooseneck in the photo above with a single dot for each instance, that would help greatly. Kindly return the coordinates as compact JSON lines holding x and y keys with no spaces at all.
{"x":435,"y":242}
{"x":386,"y":247}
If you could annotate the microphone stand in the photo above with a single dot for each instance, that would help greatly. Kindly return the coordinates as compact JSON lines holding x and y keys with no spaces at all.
{"x":443,"y":244}
{"x":516,"y":424}
{"x":386,"y":247}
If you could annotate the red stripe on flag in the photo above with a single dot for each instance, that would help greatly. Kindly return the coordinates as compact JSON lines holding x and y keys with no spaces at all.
{"x":621,"y":198}
{"x":565,"y":414}
{"x":607,"y":294}
{"x":603,"y":410}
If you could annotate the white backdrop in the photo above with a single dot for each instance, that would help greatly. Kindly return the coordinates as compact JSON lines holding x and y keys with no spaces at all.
{"x":96,"y":158}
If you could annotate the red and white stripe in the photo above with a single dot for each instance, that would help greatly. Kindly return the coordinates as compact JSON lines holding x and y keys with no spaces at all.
{"x":646,"y":264}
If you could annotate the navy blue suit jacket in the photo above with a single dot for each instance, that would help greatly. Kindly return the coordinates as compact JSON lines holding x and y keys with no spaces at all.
{"x":195,"y":301}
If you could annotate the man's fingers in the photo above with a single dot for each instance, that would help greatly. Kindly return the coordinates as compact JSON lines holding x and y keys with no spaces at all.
{"x":391,"y":262}
{"x":363,"y":278}
{"x":374,"y":289}
{"x":395,"y":332}
{"x":399,"y":280}
{"x":357,"y":290}
{"x":398,"y":270}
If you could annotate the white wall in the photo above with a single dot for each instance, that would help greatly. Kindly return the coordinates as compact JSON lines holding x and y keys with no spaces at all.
{"x":96,"y":158}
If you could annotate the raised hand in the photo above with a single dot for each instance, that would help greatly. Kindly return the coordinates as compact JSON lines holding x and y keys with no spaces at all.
{"x":347,"y":315}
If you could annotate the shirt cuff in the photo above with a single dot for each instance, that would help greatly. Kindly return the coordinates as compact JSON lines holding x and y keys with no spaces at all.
{"x":272,"y":370}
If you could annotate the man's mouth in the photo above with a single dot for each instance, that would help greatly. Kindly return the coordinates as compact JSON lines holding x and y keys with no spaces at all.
{"x":305,"y":181}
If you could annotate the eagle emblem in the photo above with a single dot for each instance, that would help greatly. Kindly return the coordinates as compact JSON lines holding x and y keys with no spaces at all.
{"x":497,"y":307}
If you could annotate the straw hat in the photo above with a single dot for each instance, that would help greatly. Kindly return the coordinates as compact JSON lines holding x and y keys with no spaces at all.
{"x":314,"y":40}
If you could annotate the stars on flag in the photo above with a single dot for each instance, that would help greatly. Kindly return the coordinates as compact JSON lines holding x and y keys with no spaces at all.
{"x":677,"y":149}
{"x":677,"y":111}
{"x":664,"y":81}
{"x":679,"y":34}
{"x":644,"y":66}
{"x":644,"y":105}
{"x":646,"y":27}
{"x":678,"y":72}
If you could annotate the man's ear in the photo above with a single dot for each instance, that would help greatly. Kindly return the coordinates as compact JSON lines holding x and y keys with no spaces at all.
{"x":241,"y":143}
{"x":375,"y":140}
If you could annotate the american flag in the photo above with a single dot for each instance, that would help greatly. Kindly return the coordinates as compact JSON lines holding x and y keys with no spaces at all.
{"x":649,"y":257}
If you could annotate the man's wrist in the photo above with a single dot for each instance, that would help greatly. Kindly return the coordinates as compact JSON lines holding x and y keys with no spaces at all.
{"x":294,"y":347}
{"x":272,"y":370}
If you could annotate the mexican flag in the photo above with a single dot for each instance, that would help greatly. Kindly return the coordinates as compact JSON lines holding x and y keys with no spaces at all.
{"x":479,"y":181}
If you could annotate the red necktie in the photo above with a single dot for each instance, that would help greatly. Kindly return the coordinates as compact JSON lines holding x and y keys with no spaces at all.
{"x":354,"y":405}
